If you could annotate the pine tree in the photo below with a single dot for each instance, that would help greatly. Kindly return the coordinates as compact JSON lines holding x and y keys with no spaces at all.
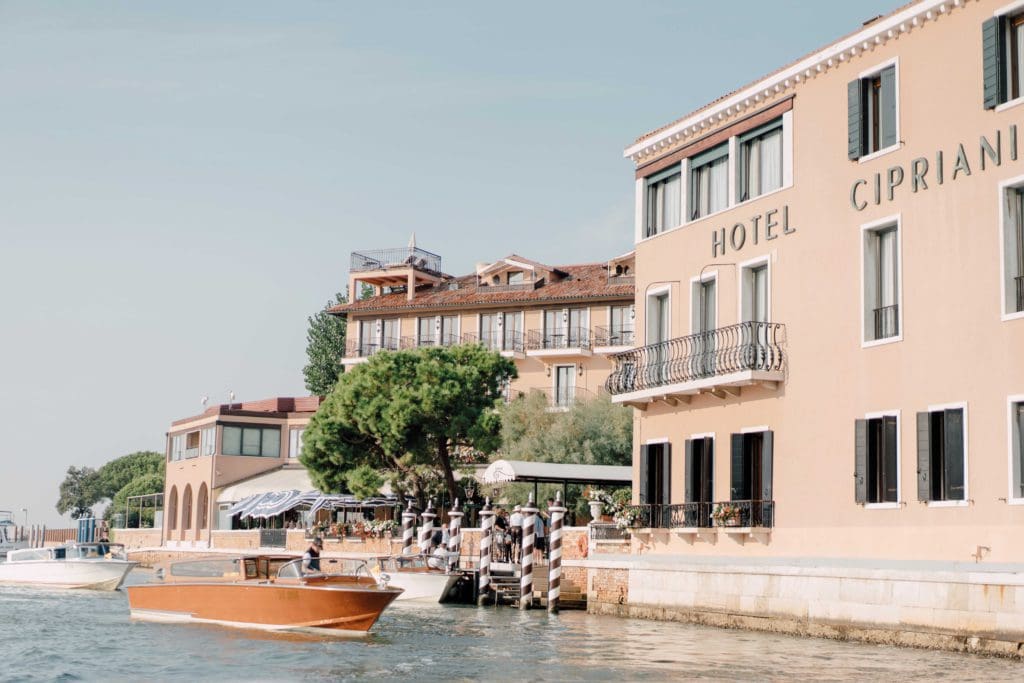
{"x":324,"y":349}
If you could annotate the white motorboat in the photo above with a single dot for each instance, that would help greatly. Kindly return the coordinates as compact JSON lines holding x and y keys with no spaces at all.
{"x":98,"y":566}
{"x":417,"y":575}
{"x":9,"y":534}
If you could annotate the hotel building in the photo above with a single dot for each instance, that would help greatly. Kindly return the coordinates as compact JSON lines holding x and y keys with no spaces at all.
{"x":559,"y":324}
{"x":830,"y":302}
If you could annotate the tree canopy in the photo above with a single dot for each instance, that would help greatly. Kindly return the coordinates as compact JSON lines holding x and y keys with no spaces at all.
{"x":78,"y":492}
{"x":84,"y":487}
{"x":409,"y":414}
{"x":325,"y":348}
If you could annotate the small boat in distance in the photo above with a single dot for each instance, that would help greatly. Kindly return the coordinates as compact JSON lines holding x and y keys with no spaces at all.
{"x":265,"y":591}
{"x":96,"y":566}
{"x":9,"y":534}
{"x":417,"y":575}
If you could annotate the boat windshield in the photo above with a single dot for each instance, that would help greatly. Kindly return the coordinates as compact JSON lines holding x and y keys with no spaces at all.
{"x":99,"y":551}
{"x":30,"y":554}
{"x":227,"y":568}
{"x":323,"y":566}
{"x":411,"y":562}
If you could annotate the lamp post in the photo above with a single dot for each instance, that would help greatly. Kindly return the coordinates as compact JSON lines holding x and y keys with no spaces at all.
{"x":25,"y":510}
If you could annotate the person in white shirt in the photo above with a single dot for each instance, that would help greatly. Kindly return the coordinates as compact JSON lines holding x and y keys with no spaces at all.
{"x":515,"y":523}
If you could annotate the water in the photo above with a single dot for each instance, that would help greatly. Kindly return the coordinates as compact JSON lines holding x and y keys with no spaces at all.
{"x":83,"y":635}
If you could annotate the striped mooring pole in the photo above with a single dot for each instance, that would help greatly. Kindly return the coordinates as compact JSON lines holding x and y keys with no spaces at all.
{"x":526,"y":574}
{"x":454,"y":535}
{"x":408,"y":522}
{"x":486,"y":536}
{"x":557,"y":512}
{"x":427,"y":529}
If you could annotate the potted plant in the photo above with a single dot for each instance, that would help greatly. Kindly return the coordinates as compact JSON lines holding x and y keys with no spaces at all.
{"x":726,"y":514}
{"x":596,"y":503}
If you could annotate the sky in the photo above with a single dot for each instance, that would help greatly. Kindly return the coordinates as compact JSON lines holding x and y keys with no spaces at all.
{"x":181,"y":183}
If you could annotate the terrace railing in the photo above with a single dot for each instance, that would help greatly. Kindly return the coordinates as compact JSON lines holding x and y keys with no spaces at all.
{"x":357,"y":348}
{"x":722,"y":351}
{"x":378,"y":259}
{"x":733,"y":513}
{"x":613,"y":336}
{"x":744,"y":513}
{"x":563,"y":338}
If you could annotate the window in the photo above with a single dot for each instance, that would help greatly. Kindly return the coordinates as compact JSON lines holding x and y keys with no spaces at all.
{"x":655,"y":474}
{"x":1002,"y":40}
{"x":699,"y":481}
{"x":1017,"y":447}
{"x":1013,"y":252}
{"x":554,"y":328}
{"x":703,"y":318}
{"x":178,"y":447}
{"x":186,"y":510}
{"x":259,"y":441}
{"x":390,"y":329}
{"x":513,"y":331}
{"x":208,"y":445}
{"x":579,"y":327}
{"x":295,"y":441}
{"x":871,"y":104}
{"x":709,"y":182}
{"x":941,"y":456}
{"x":367,"y":337}
{"x":489,"y":335}
{"x":876,"y":468}
{"x":760,"y":163}
{"x":751,"y":476}
{"x":202,"y":504}
{"x":882,"y":314}
{"x":755,"y":292}
{"x":565,"y":385}
{"x":620,"y":332}
{"x":515,"y":277}
{"x":449,"y":330}
{"x":664,"y":201}
{"x":425,"y":331}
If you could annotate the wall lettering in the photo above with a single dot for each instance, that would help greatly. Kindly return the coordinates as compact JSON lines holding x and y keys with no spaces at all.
{"x":774,"y":221}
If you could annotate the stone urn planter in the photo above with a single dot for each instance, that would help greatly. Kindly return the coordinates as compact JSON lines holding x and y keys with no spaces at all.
{"x":596,"y":507}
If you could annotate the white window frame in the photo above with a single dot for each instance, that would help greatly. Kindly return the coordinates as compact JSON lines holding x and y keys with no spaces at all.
{"x":899,"y":459}
{"x":554,"y":386}
{"x":1012,"y":8}
{"x":1017,"y":182}
{"x":701,"y":279}
{"x":653,"y":293}
{"x":295,"y":436}
{"x":874,"y":71}
{"x":643,"y":203}
{"x":741,"y":281}
{"x":1011,"y":401}
{"x":655,"y":441}
{"x":967,"y":482}
{"x":874,"y":226}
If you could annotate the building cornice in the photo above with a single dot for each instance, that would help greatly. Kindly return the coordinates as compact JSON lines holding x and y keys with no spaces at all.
{"x":751,"y":97}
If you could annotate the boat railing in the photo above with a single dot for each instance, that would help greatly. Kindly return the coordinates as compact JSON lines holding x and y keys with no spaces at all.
{"x":325,"y":567}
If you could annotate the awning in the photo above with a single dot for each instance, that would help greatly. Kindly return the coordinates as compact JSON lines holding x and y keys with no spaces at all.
{"x":502,"y":471}
{"x":282,"y":479}
{"x":272,"y":504}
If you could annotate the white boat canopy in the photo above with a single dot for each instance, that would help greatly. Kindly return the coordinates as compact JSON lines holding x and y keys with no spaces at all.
{"x":503,"y":471}
{"x":282,"y":479}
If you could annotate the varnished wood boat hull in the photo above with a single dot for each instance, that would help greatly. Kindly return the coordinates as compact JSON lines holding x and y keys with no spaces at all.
{"x":262,"y":605}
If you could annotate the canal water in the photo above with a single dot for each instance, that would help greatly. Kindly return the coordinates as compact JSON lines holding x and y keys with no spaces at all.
{"x":88,"y":636}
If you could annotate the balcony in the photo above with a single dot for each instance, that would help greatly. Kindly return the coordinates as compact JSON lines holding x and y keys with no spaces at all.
{"x":1019,"y":280}
{"x":509,"y":343}
{"x":438,"y":340}
{"x":719,"y":362}
{"x":613,"y":339}
{"x":731,"y":516}
{"x":357,"y":350}
{"x":563,"y":398}
{"x":383,"y":259}
{"x":560,"y":343}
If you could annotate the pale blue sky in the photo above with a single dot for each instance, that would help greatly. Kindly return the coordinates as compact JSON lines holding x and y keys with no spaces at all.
{"x":181,"y":183}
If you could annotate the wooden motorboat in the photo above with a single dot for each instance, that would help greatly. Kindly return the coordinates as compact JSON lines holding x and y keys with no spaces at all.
{"x":266,"y":591}
{"x":97,"y":566}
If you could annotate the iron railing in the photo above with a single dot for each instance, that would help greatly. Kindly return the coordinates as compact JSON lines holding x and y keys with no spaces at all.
{"x":887,"y":321}
{"x":734,"y":513}
{"x":356,"y":348}
{"x":608,"y":532}
{"x":722,"y":351}
{"x":1020,"y":292}
{"x":378,"y":259}
{"x":744,"y":513}
{"x":621,"y":335}
{"x":563,"y":338}
{"x":509,"y":340}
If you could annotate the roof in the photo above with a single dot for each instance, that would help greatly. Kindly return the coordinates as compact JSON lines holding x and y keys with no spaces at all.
{"x":283,"y":479}
{"x":585,"y":281}
{"x":278,"y":406}
{"x":873,"y":32}
{"x":501,"y":471}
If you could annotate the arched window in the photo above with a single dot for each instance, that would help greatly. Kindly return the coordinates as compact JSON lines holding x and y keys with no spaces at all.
{"x":202,"y":503}
{"x":172,"y":509}
{"x":186,"y":509}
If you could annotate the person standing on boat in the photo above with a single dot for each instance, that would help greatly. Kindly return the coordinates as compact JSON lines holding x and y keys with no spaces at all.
{"x":311,"y":558}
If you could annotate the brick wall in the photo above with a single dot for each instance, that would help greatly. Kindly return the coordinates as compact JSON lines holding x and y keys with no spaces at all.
{"x":608,"y":586}
{"x":136,"y":538}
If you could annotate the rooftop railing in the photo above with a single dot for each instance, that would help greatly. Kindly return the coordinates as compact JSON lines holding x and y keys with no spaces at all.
{"x":722,"y":351}
{"x":378,"y":259}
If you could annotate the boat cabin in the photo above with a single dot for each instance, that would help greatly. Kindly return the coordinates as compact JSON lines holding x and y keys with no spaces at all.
{"x":70,"y":551}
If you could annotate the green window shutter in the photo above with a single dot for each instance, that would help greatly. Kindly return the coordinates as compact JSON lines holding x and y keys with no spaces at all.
{"x":688,"y":472}
{"x":924,"y":456}
{"x":644,"y":467}
{"x":888,"y":106}
{"x":855,"y":116}
{"x":666,"y":474}
{"x":993,"y":51}
{"x":860,"y":462}
{"x":890,"y":465}
{"x":707,"y":469}
{"x":738,"y":475}
{"x":767,"y":447}
{"x":953,"y":462}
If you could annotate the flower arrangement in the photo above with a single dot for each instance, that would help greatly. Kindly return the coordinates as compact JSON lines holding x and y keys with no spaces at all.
{"x":726,"y":514}
{"x":380,"y":528}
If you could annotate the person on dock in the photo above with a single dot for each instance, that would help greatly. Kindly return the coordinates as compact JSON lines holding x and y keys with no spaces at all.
{"x":539,"y":541}
{"x":502,"y":543}
{"x":515,"y":523}
{"x":311,"y":558}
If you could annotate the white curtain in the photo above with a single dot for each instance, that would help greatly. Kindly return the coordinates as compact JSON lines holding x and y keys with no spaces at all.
{"x":770,"y":162}
{"x":759,"y":283}
{"x":718,"y":193}
{"x":1018,"y":38}
{"x":753,"y":169}
{"x":671,"y":203}
{"x":887,"y":268}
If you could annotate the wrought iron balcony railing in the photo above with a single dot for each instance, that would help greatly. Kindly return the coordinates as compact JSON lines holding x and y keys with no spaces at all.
{"x":565,"y":397}
{"x":563,"y":338}
{"x":378,"y":259}
{"x":744,"y":513}
{"x":614,"y":336}
{"x":887,"y":321}
{"x":510,"y":340}
{"x":357,"y":348}
{"x":722,"y":351}
{"x":733,"y":513}
{"x":1020,"y":292}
